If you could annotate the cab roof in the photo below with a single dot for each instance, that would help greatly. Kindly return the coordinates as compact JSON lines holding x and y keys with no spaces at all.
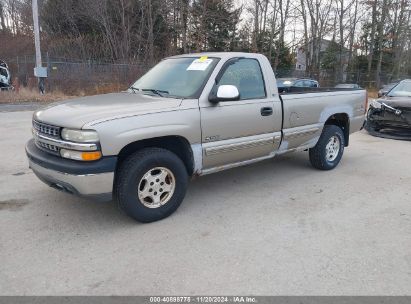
{"x":222,"y":55}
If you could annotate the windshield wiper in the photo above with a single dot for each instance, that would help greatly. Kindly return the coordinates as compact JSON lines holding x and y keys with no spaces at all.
{"x":157,"y":92}
{"x":134,"y":89}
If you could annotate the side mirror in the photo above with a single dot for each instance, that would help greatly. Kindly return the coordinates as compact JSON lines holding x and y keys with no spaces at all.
{"x":224,"y":93}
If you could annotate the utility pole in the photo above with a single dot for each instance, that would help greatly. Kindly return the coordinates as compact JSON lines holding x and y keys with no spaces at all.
{"x":39,"y":71}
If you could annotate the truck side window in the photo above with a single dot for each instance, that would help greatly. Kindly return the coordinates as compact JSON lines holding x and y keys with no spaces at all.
{"x":246,"y":75}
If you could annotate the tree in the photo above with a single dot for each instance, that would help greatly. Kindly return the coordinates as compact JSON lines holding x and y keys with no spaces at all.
{"x":214,"y":24}
{"x":2,"y":16}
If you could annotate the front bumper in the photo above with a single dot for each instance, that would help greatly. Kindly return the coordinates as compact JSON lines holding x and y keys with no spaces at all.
{"x":75,"y":177}
{"x":382,"y":118}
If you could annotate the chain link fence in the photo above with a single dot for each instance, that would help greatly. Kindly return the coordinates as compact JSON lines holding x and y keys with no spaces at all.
{"x":88,"y":77}
{"x":75,"y":76}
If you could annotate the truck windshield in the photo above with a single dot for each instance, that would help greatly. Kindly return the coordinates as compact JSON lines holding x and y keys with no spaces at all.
{"x":403,"y":89}
{"x":177,"y":77}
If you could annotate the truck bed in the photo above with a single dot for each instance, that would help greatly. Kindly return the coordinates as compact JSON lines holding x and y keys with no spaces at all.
{"x":307,"y":109}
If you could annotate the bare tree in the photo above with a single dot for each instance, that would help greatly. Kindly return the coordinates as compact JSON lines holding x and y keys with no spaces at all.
{"x":353,"y":20}
{"x":316,"y":26}
{"x":284,"y":10}
{"x":400,"y":31}
{"x":372,"y":36}
{"x":380,"y":41}
{"x":2,"y":16}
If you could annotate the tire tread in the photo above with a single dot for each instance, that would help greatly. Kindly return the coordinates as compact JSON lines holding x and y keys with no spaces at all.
{"x":126,"y":169}
{"x":317,"y":154}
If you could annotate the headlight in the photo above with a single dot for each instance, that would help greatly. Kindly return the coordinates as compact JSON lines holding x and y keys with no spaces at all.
{"x":375,"y":104}
{"x":82,"y":136}
{"x":80,"y":155}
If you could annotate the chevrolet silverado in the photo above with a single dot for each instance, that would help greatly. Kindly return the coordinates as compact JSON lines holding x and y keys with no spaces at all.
{"x":190,"y":115}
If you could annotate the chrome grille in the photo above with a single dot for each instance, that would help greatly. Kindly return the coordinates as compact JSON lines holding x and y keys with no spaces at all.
{"x":46,"y":129}
{"x":47,"y":147}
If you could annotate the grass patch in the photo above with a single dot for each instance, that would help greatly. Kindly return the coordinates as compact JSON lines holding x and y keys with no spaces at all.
{"x":25,"y":94}
{"x":28,"y":95}
{"x":372,"y":93}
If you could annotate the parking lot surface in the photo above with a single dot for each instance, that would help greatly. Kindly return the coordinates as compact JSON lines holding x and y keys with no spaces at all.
{"x":278,"y":227}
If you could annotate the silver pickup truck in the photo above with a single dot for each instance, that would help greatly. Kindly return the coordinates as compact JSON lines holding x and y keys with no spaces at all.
{"x":188,"y":116}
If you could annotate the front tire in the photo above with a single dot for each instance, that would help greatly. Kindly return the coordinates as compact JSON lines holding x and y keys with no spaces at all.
{"x":329,"y":149}
{"x":151,"y":184}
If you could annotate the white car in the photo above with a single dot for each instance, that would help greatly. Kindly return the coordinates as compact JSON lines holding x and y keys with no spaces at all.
{"x":5,"y":82}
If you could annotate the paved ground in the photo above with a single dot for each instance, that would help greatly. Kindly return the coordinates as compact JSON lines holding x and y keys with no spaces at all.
{"x":277,"y":227}
{"x":21,"y":106}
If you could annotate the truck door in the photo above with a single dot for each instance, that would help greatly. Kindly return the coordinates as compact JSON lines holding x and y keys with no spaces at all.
{"x":245,"y":129}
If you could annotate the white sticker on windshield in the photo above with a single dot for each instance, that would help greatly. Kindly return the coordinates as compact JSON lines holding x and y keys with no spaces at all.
{"x":200,"y":64}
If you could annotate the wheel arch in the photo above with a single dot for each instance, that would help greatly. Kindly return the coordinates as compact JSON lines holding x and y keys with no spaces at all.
{"x":341,"y":120}
{"x":177,"y":144}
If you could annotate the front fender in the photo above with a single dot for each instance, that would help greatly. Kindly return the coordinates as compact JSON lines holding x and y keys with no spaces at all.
{"x":116,"y":134}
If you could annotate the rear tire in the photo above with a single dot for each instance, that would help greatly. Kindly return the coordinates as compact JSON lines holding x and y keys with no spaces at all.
{"x":150,"y":184}
{"x":329,"y":149}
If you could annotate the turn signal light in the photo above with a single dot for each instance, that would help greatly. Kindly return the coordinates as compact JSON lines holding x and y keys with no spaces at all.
{"x":80,"y":155}
{"x":95,"y":155}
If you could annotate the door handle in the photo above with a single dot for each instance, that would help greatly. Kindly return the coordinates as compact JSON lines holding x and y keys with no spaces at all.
{"x":266,"y":111}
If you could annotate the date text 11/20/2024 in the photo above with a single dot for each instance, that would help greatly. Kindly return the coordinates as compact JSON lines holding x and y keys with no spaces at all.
{"x":204,"y":299}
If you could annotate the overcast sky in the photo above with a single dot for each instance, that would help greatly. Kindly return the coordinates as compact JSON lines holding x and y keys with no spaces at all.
{"x":293,"y":32}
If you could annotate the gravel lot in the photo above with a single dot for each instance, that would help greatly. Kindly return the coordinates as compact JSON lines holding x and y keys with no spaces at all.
{"x":274,"y":228}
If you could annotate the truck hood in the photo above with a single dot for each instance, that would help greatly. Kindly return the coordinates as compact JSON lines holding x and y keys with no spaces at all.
{"x":75,"y":113}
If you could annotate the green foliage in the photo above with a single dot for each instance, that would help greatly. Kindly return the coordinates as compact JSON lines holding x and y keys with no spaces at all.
{"x":359,"y":63}
{"x":286,"y":60}
{"x":330,"y":58}
{"x":215,"y":24}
